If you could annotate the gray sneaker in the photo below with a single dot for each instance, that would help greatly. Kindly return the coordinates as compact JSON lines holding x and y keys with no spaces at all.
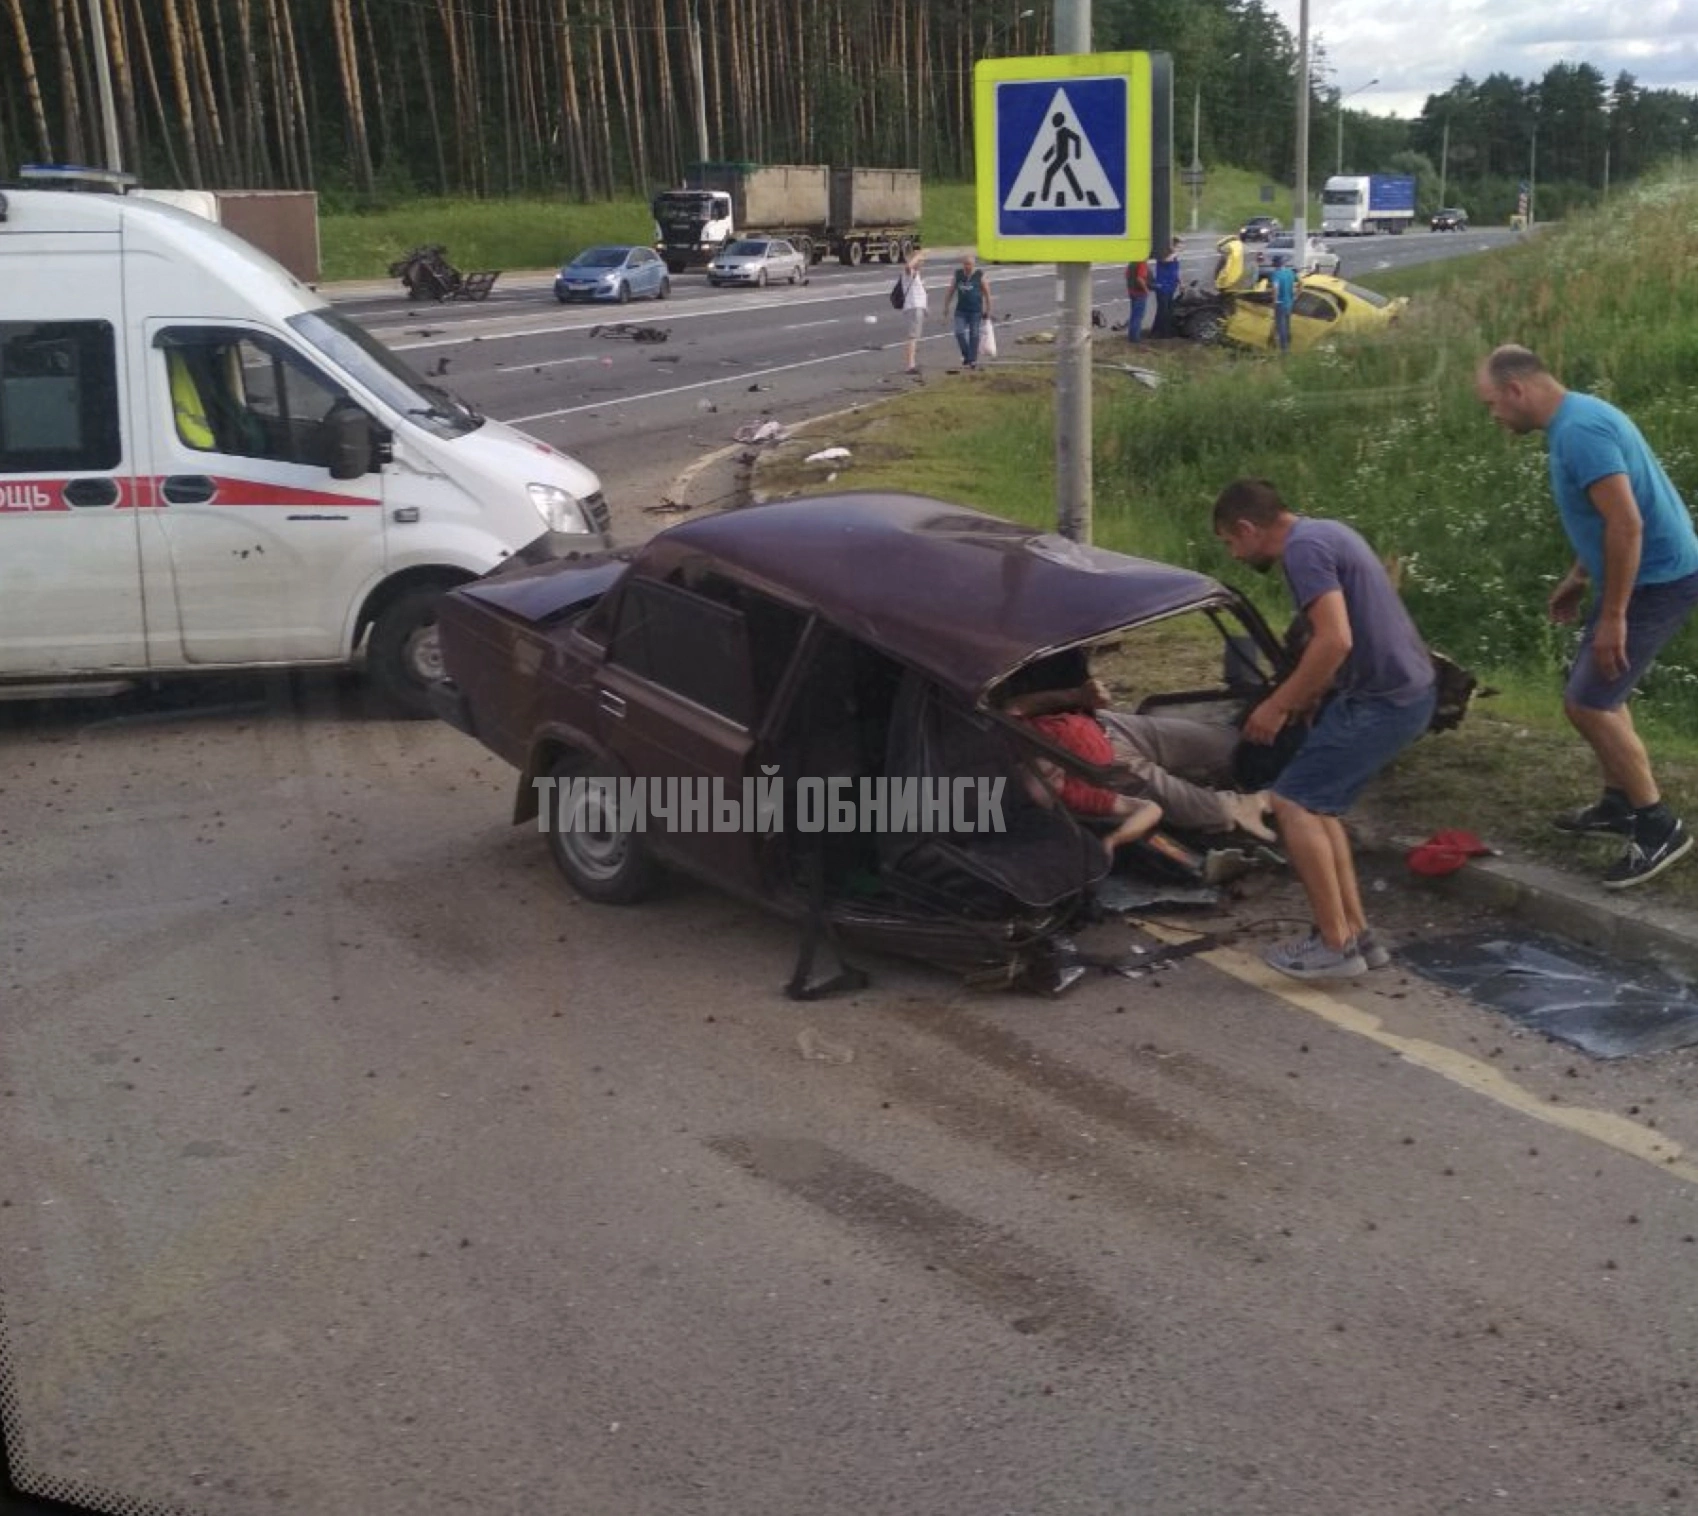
{"x":1374,"y":952}
{"x":1310,"y":958}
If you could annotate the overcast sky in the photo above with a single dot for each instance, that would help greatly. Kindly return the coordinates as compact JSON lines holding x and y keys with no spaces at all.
{"x":1418,"y":48}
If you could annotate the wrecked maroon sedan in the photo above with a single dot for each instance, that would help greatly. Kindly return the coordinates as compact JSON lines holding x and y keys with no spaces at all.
{"x":799,"y":702}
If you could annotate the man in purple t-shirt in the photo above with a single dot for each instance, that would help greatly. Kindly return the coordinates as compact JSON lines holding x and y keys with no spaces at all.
{"x":1363,"y":651}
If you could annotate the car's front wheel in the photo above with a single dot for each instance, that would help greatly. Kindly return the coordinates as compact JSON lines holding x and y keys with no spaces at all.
{"x":665,"y":290}
{"x":624,"y":296}
{"x":602,"y":860}
{"x":760,"y":279}
{"x":404,"y":652}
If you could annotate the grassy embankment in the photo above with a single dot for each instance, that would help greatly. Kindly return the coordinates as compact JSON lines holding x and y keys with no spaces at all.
{"x":1388,"y":436}
{"x":515,"y":234}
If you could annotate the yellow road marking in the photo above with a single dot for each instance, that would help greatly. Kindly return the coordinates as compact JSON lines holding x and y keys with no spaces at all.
{"x":1630,"y":1137}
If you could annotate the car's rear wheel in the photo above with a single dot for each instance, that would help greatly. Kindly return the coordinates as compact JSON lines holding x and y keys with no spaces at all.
{"x":601,"y":860}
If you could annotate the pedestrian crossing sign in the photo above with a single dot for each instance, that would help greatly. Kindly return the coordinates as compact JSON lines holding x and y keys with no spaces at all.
{"x":1074,"y":156}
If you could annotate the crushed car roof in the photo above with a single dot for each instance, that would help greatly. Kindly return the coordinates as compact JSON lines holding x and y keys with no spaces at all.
{"x":961,"y":595}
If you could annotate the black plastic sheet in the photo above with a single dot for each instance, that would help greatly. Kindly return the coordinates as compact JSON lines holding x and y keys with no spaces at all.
{"x":1604,"y":1006}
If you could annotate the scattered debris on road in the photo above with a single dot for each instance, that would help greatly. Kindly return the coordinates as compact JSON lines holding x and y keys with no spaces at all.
{"x":632,"y":330}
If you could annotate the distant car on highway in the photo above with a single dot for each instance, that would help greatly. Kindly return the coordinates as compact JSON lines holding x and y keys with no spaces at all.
{"x":613,"y":273}
{"x":1452,"y":218}
{"x":1319,"y":259}
{"x":1259,"y":228}
{"x":759,"y":261}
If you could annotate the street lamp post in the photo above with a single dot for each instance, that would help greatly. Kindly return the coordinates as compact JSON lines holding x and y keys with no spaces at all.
{"x":1341,"y":99}
{"x":1300,"y":200}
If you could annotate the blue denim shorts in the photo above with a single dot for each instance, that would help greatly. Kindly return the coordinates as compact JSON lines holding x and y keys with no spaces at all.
{"x":1354,"y":739}
{"x":1655,"y":612}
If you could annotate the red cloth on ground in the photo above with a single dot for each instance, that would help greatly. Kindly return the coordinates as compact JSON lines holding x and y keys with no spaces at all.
{"x":1084,"y":738}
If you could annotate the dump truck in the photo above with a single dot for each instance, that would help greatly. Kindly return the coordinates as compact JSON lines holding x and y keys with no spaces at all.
{"x":853,"y":214}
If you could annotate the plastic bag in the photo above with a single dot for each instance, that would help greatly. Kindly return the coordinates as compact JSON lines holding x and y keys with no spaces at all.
{"x":987,"y":338}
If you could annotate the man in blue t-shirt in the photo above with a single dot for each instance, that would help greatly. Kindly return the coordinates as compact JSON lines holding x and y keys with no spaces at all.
{"x":1633,"y":539}
{"x":1364,"y":652}
{"x":1283,"y":283}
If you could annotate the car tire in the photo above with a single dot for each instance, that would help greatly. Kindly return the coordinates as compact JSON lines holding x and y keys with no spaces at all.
{"x":561,"y":299}
{"x":608,"y":866}
{"x":624,"y":295}
{"x":404,"y":654}
{"x":760,"y":278}
{"x":854,"y":253}
{"x":665,"y":290}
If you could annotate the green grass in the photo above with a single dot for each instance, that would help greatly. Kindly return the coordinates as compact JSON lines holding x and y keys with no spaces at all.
{"x":1387,"y":435}
{"x":540,"y":233}
{"x":506,"y":234}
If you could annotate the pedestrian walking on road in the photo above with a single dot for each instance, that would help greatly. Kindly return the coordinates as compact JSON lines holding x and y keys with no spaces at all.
{"x":914,"y":307}
{"x":1634,"y":544}
{"x":969,"y":293}
{"x":1367,"y":662}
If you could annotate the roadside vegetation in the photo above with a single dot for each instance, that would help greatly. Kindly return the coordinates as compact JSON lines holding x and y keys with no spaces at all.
{"x":1388,"y":436}
{"x":544,"y":232}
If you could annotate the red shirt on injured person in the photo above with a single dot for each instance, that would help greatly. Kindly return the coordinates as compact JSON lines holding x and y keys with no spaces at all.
{"x":1083,"y":737}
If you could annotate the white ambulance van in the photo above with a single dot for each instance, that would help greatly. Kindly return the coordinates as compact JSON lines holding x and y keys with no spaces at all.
{"x":204,"y":466}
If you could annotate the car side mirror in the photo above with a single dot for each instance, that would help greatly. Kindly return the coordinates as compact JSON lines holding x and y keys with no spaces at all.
{"x":348,"y":441}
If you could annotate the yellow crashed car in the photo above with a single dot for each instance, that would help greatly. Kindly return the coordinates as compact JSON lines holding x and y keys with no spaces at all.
{"x":1326,"y":307}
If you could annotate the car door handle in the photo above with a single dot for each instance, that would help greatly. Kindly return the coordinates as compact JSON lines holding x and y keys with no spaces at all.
{"x":189,"y":489}
{"x":91,"y":492}
{"x":613,"y":704}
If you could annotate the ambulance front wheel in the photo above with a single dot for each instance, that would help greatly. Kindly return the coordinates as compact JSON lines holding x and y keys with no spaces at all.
{"x":404,"y":653}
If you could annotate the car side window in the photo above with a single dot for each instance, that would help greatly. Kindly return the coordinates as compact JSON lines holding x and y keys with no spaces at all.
{"x":58,"y":397}
{"x":1314,"y":305}
{"x":685,"y":644}
{"x":245,"y":394}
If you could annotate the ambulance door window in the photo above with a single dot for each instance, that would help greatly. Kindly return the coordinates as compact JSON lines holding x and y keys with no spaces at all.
{"x":58,"y":397}
{"x":244,"y":395}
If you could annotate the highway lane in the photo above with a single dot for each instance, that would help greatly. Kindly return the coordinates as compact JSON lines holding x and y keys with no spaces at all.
{"x":639,"y":412}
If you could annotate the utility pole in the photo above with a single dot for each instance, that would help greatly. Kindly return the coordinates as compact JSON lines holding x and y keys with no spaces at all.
{"x":1073,"y":340}
{"x":1300,"y":201}
{"x":1196,"y":151}
{"x":103,"y":75}
{"x":1444,"y":161}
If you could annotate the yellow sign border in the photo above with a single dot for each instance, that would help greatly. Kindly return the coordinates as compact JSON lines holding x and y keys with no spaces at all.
{"x":1140,"y":170}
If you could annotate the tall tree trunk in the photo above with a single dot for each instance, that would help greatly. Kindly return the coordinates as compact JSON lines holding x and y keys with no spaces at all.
{"x":353,"y":102}
{"x":70,"y":98}
{"x":216,"y":166}
{"x":167,"y":137}
{"x":123,"y":80}
{"x":428,"y":74}
{"x":177,"y":48}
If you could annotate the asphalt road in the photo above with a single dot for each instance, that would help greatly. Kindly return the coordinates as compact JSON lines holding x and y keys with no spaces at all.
{"x":636,"y":412}
{"x":349,"y":1164}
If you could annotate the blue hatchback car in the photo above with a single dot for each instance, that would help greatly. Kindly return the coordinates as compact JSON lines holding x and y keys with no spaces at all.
{"x":613,"y":273}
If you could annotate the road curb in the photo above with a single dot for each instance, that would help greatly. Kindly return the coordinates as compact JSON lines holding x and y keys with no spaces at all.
{"x":1556,"y":902}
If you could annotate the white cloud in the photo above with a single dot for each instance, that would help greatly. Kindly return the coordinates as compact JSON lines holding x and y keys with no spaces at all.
{"x":1417,"y":50}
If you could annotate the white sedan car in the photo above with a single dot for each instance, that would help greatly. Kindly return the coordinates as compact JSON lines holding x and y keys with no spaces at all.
{"x":1320,"y":258}
{"x":758,"y":261}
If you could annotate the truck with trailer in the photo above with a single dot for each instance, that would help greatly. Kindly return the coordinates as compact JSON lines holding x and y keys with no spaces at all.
{"x":1354,"y":205}
{"x":853,"y":214}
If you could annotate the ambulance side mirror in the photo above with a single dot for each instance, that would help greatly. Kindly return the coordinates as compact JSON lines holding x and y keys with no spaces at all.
{"x":348,"y":441}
